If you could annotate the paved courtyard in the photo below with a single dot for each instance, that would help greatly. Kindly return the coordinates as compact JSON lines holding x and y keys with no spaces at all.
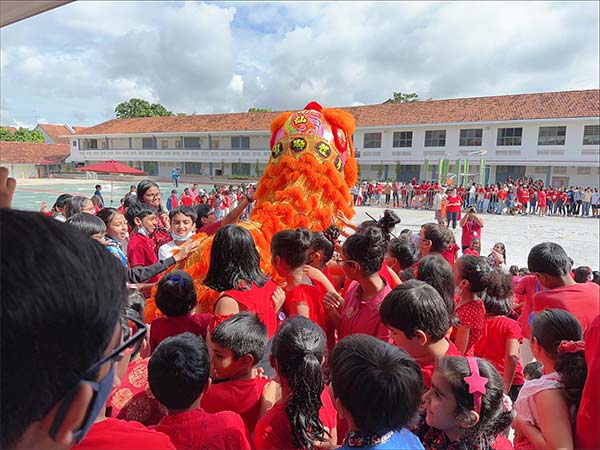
{"x":580,"y":237}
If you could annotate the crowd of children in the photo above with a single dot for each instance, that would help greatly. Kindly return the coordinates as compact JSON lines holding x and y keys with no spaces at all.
{"x":523,"y":196}
{"x":373,"y":342}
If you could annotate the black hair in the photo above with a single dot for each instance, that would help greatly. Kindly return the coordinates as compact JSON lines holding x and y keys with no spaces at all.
{"x":434,"y":270}
{"x":129,"y":201}
{"x":292,"y":246}
{"x":582,"y":274}
{"x":87,"y":223}
{"x":107,"y":215}
{"x":64,"y":316}
{"x":202,"y":211}
{"x":234,"y":261}
{"x":97,"y":186}
{"x":439,"y":236}
{"x":549,"y":258}
{"x":492,"y":419}
{"x":476,"y":270}
{"x":533,"y":370}
{"x":366,"y":249}
{"x":378,"y":383}
{"x":525,"y":270}
{"x":596,"y":277}
{"x":299,"y":348}
{"x":549,"y":328}
{"x":61,"y":201}
{"x":497,"y":306}
{"x":139,"y":210}
{"x":178,"y":370}
{"x":503,"y":250}
{"x":74,"y":205}
{"x":176,"y":294}
{"x":187,"y":211}
{"x":514,"y":270}
{"x":415,"y":305}
{"x":405,"y":252}
{"x":386,"y":224}
{"x":142,"y":187}
{"x":242,"y":334}
{"x":324,"y":241}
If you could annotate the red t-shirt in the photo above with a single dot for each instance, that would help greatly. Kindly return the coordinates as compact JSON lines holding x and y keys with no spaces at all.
{"x":541,"y":199}
{"x":472,"y":315}
{"x":358,"y":316}
{"x":450,"y":253}
{"x":240,"y":396}
{"x":164,"y":327}
{"x":312,"y":297}
{"x":502,"y":195}
{"x":133,"y":400}
{"x":187,"y":200}
{"x":197,"y":429}
{"x":454,"y":199}
{"x":492,"y":345}
{"x":211,"y":228}
{"x":273,"y":430}
{"x":580,"y":299}
{"x":120,"y":434}
{"x":140,"y":252}
{"x":428,"y":369}
{"x":527,"y":287}
{"x":472,"y":252}
{"x":587,"y":432}
{"x":470,"y":230}
{"x":258,"y":300}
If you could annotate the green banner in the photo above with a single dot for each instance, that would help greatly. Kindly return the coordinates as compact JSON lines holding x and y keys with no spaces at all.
{"x":441,"y":172}
{"x":457,"y":172}
{"x":466,"y":173}
{"x":426,"y":170}
{"x":482,"y":171}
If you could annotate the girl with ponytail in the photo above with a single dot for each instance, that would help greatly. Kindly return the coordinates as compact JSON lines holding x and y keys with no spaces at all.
{"x":305,"y":417}
{"x":547,"y":407}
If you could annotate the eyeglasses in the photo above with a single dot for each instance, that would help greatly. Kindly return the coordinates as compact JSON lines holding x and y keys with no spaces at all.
{"x":115,"y":355}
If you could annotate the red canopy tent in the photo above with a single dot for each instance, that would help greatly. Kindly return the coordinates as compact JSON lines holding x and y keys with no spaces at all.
{"x":111,"y":167}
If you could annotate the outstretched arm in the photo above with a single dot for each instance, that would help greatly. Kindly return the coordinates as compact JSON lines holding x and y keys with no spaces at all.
{"x":7,"y":188}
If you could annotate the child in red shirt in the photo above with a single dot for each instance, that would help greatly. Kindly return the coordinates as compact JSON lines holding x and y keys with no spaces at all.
{"x":297,"y":353}
{"x":237,"y":345}
{"x":176,"y":299}
{"x":178,"y":374}
{"x":500,"y":341}
{"x":474,"y":247}
{"x":140,"y":250}
{"x":418,"y":320}
{"x":472,"y":276}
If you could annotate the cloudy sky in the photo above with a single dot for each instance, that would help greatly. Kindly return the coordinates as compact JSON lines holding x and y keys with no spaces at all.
{"x":75,"y":63}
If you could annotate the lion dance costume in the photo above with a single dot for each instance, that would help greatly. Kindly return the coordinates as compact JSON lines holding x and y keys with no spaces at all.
{"x":306,"y":182}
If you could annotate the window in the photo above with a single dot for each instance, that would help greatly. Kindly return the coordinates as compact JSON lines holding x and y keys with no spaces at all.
{"x":74,"y":143}
{"x":215,"y":144}
{"x":240,"y":142}
{"x":372,"y":140}
{"x":591,"y":135}
{"x":178,"y":144}
{"x":559,"y":170}
{"x":540,"y":170}
{"x":552,"y":135}
{"x":104,"y":145}
{"x":402,"y":139}
{"x":509,"y":136}
{"x":471,"y":137}
{"x":148,"y":142}
{"x":164,"y":144}
{"x":92,"y":143}
{"x":435,"y":138}
{"x":584,"y":171}
{"x":191,"y":142}
{"x":240,"y":168}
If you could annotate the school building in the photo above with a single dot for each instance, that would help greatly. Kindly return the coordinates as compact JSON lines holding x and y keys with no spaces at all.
{"x":553,"y":136}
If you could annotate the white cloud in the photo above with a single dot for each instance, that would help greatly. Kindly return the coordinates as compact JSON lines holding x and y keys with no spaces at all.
{"x":75,"y":63}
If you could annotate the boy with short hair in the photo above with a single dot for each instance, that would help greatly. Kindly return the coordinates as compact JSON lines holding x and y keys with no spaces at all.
{"x":172,"y":201}
{"x":178,"y":375}
{"x":418,"y":319}
{"x":237,"y":346}
{"x":550,"y":264}
{"x":377,"y":389}
{"x":141,"y":217}
{"x":183,"y":227}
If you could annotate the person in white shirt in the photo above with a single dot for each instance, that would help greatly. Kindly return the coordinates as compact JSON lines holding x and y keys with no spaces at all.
{"x":437,"y":202}
{"x":183,"y":228}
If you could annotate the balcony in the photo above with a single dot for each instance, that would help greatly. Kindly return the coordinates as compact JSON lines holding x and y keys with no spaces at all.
{"x":191,"y":155}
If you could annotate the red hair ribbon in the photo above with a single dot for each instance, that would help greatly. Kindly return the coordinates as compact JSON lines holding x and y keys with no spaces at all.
{"x":571,"y":346}
{"x":476,"y":383}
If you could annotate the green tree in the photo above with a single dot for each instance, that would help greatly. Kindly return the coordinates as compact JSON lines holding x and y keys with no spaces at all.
{"x":259,"y":109}
{"x":21,"y":135}
{"x":137,"y":107}
{"x":398,"y":170}
{"x":401,"y":97}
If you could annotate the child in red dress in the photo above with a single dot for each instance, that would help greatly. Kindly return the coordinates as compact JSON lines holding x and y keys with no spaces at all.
{"x":304,"y":417}
{"x":237,"y":345}
{"x":176,"y":299}
{"x":178,"y":374}
{"x":141,"y":252}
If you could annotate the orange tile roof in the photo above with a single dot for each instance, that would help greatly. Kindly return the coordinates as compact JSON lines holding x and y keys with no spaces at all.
{"x":32,"y":152}
{"x":10,"y":129}
{"x":550,"y":105}
{"x":55,"y":131}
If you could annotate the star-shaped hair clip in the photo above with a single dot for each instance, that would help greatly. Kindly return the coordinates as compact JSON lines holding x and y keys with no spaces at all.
{"x":476,"y":383}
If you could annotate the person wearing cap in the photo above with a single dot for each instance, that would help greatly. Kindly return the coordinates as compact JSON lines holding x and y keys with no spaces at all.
{"x":207,"y":219}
